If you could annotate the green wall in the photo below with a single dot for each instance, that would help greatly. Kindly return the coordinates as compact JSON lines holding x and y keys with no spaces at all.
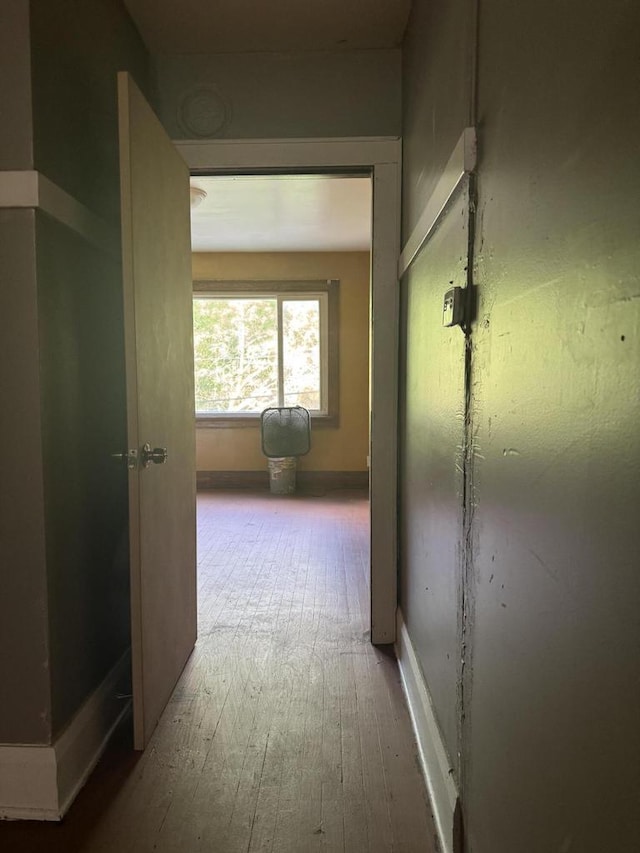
{"x":285,"y":94}
{"x":16,"y":149}
{"x":431,"y":453}
{"x":548,"y":543}
{"x":25,"y":704}
{"x":77,"y":49}
{"x":85,"y":490}
{"x":433,"y":434}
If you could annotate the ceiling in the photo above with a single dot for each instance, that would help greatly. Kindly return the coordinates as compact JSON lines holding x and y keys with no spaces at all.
{"x":239,"y":26}
{"x":282,"y":213}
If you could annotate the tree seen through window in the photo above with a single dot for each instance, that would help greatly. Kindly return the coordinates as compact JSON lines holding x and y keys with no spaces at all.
{"x":253,"y":352}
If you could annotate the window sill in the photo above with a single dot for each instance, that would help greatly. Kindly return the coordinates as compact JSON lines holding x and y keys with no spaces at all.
{"x":253,"y":421}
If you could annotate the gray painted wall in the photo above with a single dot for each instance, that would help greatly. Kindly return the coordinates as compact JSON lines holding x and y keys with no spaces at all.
{"x":77,"y":49}
{"x":16,"y":150}
{"x":25,"y":705}
{"x":25,"y":711}
{"x":64,"y":605}
{"x":547,"y":717}
{"x":83,"y":423}
{"x":436,"y":87}
{"x":436,"y":96}
{"x":432,"y":465}
{"x":284,"y":95}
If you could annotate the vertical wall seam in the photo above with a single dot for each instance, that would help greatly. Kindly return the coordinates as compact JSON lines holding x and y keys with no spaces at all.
{"x":467,"y":601}
{"x":467,"y":581}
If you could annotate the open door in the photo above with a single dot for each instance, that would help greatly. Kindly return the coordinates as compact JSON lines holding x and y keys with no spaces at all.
{"x":156,"y":248}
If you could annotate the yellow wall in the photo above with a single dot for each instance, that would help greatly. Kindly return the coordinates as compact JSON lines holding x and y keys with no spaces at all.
{"x":344,"y":448}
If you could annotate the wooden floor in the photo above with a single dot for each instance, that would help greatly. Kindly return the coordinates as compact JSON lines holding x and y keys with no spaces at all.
{"x":287,"y":731}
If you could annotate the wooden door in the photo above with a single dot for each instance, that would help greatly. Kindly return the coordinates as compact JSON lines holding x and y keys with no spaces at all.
{"x":156,"y":250}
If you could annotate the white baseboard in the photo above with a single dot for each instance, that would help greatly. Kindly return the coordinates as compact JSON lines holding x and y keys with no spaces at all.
{"x":41,"y":782}
{"x":436,"y":766}
{"x":28,"y":783}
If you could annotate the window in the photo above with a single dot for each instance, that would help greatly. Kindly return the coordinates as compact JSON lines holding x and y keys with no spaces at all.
{"x":262,"y":344}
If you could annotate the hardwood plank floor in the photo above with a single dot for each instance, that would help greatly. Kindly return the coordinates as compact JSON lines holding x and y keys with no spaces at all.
{"x":288,"y":731}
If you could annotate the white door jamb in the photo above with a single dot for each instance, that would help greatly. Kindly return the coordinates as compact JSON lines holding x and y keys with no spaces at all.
{"x":383,"y":156}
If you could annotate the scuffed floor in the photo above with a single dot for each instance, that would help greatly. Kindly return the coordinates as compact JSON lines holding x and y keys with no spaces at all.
{"x":287,"y":731}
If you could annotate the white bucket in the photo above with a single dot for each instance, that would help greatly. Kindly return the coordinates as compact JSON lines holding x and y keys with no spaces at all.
{"x":282,"y":475}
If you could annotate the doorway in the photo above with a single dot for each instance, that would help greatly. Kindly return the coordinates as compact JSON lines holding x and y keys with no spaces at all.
{"x":382,"y":157}
{"x":281,"y":268}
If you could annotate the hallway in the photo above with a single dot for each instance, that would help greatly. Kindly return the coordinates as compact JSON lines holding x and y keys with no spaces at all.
{"x":287,"y":731}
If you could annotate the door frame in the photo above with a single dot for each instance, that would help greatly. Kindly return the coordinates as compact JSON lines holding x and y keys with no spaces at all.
{"x":383,"y":157}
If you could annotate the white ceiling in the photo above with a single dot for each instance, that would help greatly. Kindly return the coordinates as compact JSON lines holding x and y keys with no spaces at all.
{"x":230,"y":26}
{"x":282,"y":213}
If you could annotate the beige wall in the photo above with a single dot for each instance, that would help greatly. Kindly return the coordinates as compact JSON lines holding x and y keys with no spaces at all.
{"x":332,"y":449}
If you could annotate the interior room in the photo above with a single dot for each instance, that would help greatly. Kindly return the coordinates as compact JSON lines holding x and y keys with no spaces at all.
{"x":450,"y":666}
{"x":252,"y":236}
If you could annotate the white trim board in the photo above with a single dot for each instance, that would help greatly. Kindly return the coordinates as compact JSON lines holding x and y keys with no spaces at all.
{"x":382,"y":156}
{"x":31,"y":189}
{"x":461,"y":163}
{"x":236,"y":154}
{"x":436,"y":766}
{"x":41,"y":782}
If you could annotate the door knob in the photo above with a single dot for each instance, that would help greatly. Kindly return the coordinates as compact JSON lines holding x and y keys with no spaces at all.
{"x":157,"y":455}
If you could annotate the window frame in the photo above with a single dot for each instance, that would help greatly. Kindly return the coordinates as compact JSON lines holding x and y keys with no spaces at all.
{"x":330,"y":287}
